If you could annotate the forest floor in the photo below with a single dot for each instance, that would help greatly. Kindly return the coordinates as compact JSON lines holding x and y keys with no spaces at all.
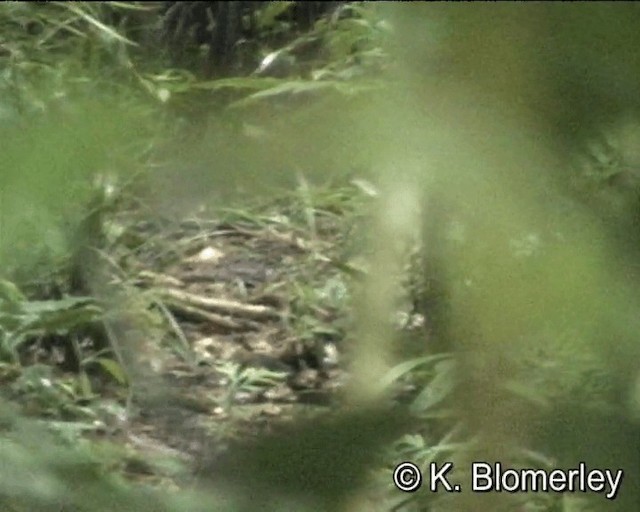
{"x":240,"y":326}
{"x":255,"y":310}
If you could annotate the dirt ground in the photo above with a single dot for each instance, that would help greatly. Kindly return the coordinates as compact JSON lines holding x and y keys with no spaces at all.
{"x":253,"y":318}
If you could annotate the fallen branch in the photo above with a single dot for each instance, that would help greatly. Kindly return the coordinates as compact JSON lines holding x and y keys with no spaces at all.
{"x":230,"y":307}
{"x":201,"y":315}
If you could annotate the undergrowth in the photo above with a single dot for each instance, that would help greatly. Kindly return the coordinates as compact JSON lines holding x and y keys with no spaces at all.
{"x":156,"y":337}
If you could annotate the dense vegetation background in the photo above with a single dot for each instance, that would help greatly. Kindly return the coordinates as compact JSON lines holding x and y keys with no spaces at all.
{"x":445,"y":195}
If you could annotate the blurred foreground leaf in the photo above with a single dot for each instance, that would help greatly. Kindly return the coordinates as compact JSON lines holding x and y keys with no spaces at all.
{"x":321,"y":462}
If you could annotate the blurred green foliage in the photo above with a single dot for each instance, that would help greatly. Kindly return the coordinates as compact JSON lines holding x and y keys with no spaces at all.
{"x":489,"y":125}
{"x":470,"y":125}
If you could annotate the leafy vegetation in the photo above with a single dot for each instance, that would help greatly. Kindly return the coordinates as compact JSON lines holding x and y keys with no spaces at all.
{"x":258,"y":262}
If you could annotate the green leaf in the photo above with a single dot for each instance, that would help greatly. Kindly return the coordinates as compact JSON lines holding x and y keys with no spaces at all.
{"x":113,"y":368}
{"x":38,"y":307}
{"x":407,"y":366}
{"x":266,"y":17}
{"x":84,"y":386}
{"x":53,"y":316}
{"x":440,"y":388}
{"x":10,"y":292}
{"x":254,"y":83}
{"x":96,"y":23}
